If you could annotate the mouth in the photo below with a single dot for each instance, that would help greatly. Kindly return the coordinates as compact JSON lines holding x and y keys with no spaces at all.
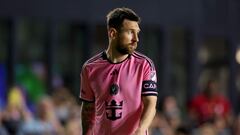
{"x":133,"y":44}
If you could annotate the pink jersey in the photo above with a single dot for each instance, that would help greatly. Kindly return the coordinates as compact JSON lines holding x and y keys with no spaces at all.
{"x":116,"y":90}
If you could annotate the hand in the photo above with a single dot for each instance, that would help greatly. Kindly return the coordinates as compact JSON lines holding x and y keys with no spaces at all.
{"x":140,"y":131}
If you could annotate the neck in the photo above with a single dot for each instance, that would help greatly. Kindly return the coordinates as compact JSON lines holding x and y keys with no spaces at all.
{"x":114,"y":56}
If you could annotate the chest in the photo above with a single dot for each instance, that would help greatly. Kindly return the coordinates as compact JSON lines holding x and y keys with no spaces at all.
{"x":116,"y":79}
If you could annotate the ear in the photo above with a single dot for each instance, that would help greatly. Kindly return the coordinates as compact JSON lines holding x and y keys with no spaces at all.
{"x":112,"y":33}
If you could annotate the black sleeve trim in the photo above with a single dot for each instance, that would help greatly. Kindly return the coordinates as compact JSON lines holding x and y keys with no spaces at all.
{"x":150,"y":94}
{"x":84,"y":100}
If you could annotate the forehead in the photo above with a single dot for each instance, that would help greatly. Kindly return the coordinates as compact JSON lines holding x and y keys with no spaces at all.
{"x":128,"y":24}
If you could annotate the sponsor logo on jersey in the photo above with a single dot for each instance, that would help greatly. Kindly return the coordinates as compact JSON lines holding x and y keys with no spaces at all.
{"x":113,"y":106}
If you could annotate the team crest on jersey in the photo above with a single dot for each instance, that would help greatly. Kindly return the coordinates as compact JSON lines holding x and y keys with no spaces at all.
{"x":153,"y":76}
{"x":114,"y":88}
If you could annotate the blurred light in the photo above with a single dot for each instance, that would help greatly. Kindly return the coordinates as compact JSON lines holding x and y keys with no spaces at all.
{"x":203,"y":55}
{"x":238,"y":56}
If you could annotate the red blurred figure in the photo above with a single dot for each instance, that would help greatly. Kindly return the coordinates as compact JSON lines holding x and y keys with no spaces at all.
{"x":209,"y":105}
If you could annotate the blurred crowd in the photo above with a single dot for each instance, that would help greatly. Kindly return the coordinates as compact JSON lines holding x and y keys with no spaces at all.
{"x":58,"y":114}
{"x":29,"y":110}
{"x":208,"y":113}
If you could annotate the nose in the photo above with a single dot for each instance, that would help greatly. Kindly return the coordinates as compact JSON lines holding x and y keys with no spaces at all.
{"x":135,"y":37}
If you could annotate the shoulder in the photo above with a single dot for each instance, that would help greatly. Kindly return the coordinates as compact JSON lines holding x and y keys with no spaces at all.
{"x":96,"y":58}
{"x":92,"y":62}
{"x":144,"y":59}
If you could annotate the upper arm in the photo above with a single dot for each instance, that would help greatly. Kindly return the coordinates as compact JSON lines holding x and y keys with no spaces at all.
{"x":149,"y":83}
{"x":149,"y":100}
{"x":86,"y":92}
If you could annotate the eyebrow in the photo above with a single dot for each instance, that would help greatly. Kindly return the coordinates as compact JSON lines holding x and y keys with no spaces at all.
{"x":138,"y":30}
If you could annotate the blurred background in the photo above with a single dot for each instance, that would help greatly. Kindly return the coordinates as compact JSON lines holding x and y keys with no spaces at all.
{"x":43,"y":45}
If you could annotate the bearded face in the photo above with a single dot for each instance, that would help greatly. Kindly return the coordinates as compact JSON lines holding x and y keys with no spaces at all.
{"x":127,"y":39}
{"x":125,"y":48}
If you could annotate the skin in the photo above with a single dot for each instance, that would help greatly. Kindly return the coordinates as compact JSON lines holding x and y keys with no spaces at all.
{"x":148,"y":114}
{"x":122,"y":42}
{"x":87,"y":115}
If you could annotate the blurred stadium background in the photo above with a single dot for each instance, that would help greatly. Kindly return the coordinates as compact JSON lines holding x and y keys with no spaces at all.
{"x":43,"y":45}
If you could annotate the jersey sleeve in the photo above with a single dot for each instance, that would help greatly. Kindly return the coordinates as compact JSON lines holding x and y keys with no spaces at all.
{"x":86,"y":93}
{"x":149,"y":84}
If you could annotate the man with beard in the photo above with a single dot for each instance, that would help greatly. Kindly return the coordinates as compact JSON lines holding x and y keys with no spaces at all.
{"x":118,"y":85}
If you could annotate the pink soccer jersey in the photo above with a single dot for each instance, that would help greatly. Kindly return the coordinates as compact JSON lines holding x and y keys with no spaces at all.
{"x":116,"y":90}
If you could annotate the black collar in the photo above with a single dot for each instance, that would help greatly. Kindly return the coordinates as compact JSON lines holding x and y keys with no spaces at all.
{"x":104,"y":56}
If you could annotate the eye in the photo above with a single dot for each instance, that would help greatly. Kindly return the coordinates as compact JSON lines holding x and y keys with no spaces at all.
{"x":130,"y":32}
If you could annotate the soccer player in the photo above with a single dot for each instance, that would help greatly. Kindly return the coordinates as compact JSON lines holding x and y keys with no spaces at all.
{"x":118,"y":85}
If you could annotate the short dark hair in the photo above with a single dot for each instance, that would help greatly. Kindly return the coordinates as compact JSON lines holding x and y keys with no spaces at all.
{"x":116,"y":17}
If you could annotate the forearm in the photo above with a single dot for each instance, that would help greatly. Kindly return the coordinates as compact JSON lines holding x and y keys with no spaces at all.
{"x":149,"y":112}
{"x":87,"y":116}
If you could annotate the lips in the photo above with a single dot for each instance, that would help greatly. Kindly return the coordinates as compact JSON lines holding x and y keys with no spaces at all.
{"x":133,"y":44}
{"x":132,"y":47}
